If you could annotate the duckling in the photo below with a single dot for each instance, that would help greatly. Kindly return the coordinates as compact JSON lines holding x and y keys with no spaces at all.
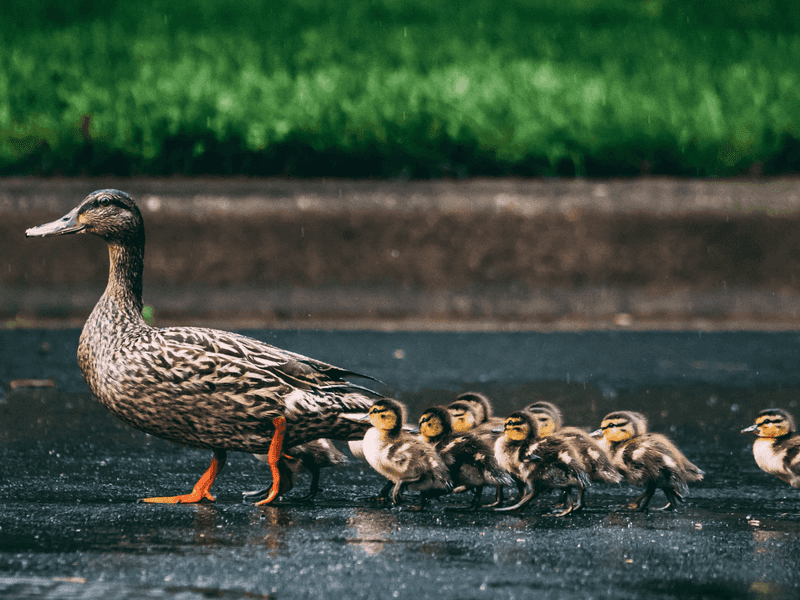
{"x":309,"y":458}
{"x":548,"y":416}
{"x":598,"y":465}
{"x":777,"y":447}
{"x":473,"y":411}
{"x":202,"y":388}
{"x":405,"y":460}
{"x":470,"y":458}
{"x":539,"y":463}
{"x":648,"y":459}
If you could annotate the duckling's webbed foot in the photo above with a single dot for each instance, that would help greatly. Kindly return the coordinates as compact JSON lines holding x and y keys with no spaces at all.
{"x":673,"y":498}
{"x":498,"y":498}
{"x":397,"y":492}
{"x":286,"y":484}
{"x":273,"y":457}
{"x":424,"y":497}
{"x":201,"y":490}
{"x":566,"y":508}
{"x":314,"y":489}
{"x":382,"y":499}
{"x":526,"y":498}
{"x":642,"y":501}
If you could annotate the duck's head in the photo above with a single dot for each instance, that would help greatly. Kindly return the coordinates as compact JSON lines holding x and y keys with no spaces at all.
{"x":547,"y":416}
{"x":520,"y":426}
{"x":772,"y":423}
{"x":435,"y":422}
{"x":464,"y":418}
{"x":109,"y":214}
{"x":387,"y":415}
{"x":622,"y":425}
{"x":480,"y":403}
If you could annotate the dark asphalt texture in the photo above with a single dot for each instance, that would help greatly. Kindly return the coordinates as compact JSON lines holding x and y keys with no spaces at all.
{"x":70,"y":475}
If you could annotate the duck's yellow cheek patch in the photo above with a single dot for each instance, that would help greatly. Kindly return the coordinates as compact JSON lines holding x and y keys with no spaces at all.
{"x":430,"y":429}
{"x":460,"y":425}
{"x":615,"y":434}
{"x":516,"y":433}
{"x":772,"y":430}
{"x":547,"y":428}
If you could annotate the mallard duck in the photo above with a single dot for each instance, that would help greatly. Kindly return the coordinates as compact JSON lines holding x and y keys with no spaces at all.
{"x":648,"y":459}
{"x":198,"y":387}
{"x":404,"y":459}
{"x":598,"y":465}
{"x":777,"y":447}
{"x":469,"y":458}
{"x":309,"y":458}
{"x":539,"y":463}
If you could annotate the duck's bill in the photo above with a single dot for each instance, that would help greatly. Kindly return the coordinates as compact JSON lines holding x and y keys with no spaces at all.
{"x":597,"y":433}
{"x":750,"y":429}
{"x":69,"y":223}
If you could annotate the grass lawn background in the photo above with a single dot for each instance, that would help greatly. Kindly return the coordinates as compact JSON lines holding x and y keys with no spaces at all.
{"x":407,"y":88}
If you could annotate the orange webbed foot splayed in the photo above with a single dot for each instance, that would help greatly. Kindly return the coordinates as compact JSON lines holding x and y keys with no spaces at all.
{"x":201,"y":488}
{"x":274,"y":455}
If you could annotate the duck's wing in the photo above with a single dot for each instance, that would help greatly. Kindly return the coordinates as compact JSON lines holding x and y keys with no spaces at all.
{"x":232,"y":358}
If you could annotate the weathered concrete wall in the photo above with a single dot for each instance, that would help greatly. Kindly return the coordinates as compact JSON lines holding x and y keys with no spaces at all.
{"x":488,"y":254}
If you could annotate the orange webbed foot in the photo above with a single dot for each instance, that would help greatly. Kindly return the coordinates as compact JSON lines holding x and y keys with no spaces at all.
{"x":201,"y":490}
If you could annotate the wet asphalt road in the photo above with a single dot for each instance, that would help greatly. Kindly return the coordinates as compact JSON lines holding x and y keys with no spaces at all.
{"x":70,"y":474}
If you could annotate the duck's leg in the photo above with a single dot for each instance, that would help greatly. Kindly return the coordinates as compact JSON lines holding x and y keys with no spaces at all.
{"x":273,"y":456}
{"x":201,"y":488}
{"x":498,"y":497}
{"x":383,"y":496}
{"x":642,"y":501}
{"x":673,"y":498}
{"x":525,"y":499}
{"x":313,"y":468}
{"x":476,"y":497}
{"x":287,"y":483}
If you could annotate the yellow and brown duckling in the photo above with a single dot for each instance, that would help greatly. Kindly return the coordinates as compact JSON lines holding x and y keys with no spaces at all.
{"x":473,"y":411}
{"x":539,"y":463}
{"x":469,"y":458}
{"x":308,"y":458}
{"x":598,"y":464}
{"x":198,"y":387}
{"x":777,"y":447}
{"x":547,"y":415}
{"x":404,"y":459}
{"x":647,"y":459}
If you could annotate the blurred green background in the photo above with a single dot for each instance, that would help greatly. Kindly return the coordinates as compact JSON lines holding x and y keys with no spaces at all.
{"x":400,"y":88}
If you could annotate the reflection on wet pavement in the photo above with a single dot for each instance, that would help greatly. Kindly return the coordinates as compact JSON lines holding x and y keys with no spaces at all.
{"x":70,"y":475}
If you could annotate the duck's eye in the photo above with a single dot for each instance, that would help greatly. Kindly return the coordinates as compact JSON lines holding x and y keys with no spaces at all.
{"x":105,"y":201}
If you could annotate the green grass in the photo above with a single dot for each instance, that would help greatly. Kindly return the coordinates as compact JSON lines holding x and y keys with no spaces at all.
{"x":400,"y":87}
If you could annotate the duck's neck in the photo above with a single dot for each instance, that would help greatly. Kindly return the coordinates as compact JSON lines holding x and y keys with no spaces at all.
{"x":124,"y":287}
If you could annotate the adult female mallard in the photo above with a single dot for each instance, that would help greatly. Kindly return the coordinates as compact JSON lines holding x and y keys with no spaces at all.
{"x":198,"y":387}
